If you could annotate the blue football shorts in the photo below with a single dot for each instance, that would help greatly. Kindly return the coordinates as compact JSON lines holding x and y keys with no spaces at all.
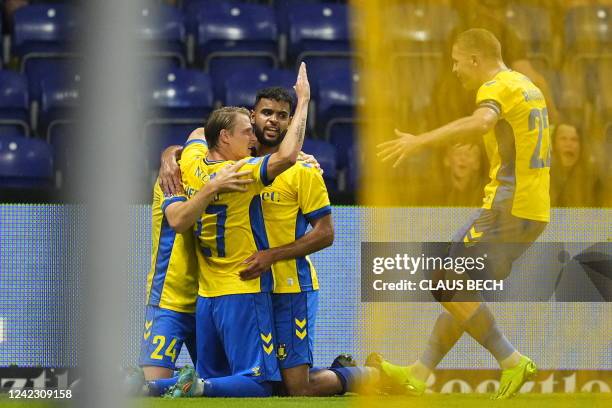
{"x":236,"y":336}
{"x":165,"y":331}
{"x":499,"y":237}
{"x":295,"y":315}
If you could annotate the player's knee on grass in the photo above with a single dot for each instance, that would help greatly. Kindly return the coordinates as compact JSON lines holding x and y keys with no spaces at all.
{"x":155,"y":373}
{"x":295,"y":380}
{"x":299,"y":381}
{"x":325,"y":383}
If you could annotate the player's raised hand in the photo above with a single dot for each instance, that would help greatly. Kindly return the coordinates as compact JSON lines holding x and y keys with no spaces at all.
{"x":229,"y":179}
{"x":257,"y":264}
{"x":302,"y":86}
{"x":170,"y":172}
{"x":310,"y":159}
{"x":398,"y":149}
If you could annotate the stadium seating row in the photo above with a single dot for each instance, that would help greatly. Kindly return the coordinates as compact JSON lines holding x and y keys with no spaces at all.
{"x":177,"y":98}
{"x":205,"y":31}
{"x":228,"y":29}
{"x":241,"y":45}
{"x":34,"y":163}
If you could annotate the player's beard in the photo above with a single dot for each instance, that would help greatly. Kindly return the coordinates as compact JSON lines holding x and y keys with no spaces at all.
{"x":261,"y":138}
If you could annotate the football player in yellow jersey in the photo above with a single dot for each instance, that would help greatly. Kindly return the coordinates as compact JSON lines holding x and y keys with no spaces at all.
{"x":235,"y":331}
{"x":296,"y":198}
{"x":511,"y":117}
{"x":172,"y":279}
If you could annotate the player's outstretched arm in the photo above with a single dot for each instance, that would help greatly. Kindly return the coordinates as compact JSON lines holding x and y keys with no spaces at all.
{"x":181,"y":215}
{"x":288,"y":151}
{"x":321,"y":236}
{"x":169,"y":171}
{"x":475,"y":125}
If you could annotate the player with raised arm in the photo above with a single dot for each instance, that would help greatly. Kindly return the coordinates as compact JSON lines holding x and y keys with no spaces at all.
{"x":172,"y":284}
{"x":511,"y":117}
{"x":235,"y":332}
{"x":295,"y":198}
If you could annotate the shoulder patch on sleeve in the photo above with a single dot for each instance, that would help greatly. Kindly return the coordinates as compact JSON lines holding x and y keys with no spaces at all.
{"x":194,"y":141}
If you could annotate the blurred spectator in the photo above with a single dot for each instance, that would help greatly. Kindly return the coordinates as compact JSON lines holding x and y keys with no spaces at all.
{"x":461,"y":179}
{"x":575,"y":180}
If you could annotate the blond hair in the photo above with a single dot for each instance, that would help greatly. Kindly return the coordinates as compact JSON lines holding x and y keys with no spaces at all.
{"x":219,"y":119}
{"x":480,"y":41}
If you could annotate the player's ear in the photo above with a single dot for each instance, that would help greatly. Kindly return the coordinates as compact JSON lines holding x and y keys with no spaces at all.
{"x":252,"y":116}
{"x":224,"y":136}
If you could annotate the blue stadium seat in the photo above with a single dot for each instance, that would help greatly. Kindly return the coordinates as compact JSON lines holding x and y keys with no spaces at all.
{"x":43,"y":31}
{"x":536,"y":28}
{"x":229,"y":32}
{"x":336,"y":97}
{"x":421,"y":29}
{"x":177,"y":101}
{"x":325,"y":153}
{"x":35,"y":72}
{"x":336,"y":102}
{"x":353,"y":168}
{"x":283,"y":8}
{"x":321,"y":67}
{"x":178,"y":93}
{"x":25,"y":162}
{"x":588,"y":29}
{"x":60,"y":99}
{"x":14,"y":106}
{"x":1,"y":27}
{"x":193,"y":8}
{"x":162,"y":28}
{"x":242,"y":87}
{"x":318,"y":31}
{"x":231,"y":35}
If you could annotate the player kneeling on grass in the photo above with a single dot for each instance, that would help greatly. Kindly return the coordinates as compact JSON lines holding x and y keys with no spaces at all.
{"x":299,"y":190}
{"x":234,"y":330}
{"x":172,"y":286}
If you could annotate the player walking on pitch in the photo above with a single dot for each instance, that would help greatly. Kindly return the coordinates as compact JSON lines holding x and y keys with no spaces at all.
{"x":512,"y":118}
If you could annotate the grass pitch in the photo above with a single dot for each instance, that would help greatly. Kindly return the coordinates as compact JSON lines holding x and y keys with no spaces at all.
{"x":428,"y":401}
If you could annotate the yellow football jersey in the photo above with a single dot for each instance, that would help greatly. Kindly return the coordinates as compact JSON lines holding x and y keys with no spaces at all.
{"x":172,"y":279}
{"x":519,"y":147}
{"x":295,"y":198}
{"x":230,"y":230}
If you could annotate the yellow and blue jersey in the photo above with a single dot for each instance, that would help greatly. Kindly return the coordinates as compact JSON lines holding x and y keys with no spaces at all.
{"x":230,"y":230}
{"x":172,"y":279}
{"x":518,"y":148}
{"x":295,"y":198}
